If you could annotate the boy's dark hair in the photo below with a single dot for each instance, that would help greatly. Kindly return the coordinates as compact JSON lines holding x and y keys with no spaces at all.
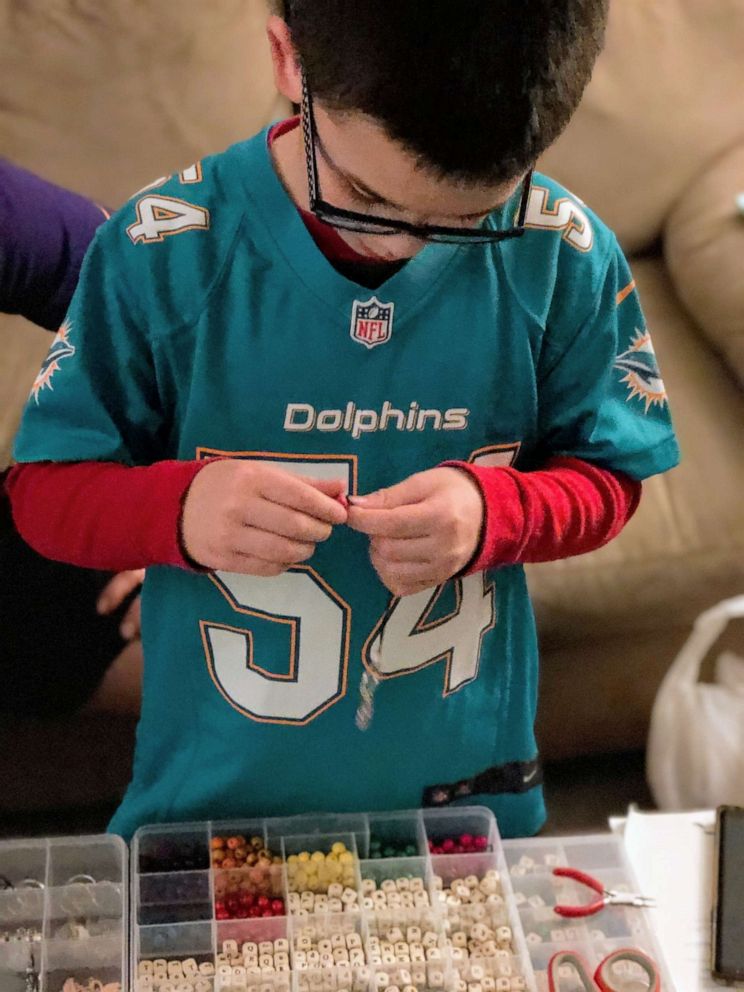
{"x":475,"y":89}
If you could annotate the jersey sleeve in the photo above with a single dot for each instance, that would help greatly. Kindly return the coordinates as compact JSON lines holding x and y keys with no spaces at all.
{"x":601,"y":394}
{"x":96,"y":395}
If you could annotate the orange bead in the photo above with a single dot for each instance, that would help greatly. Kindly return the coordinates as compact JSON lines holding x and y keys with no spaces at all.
{"x":218,"y":842}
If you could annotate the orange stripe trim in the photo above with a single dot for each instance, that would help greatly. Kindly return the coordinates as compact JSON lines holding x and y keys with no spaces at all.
{"x":624,"y":292}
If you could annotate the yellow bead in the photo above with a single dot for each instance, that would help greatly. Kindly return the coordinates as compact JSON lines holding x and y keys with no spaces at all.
{"x":292,"y":859}
{"x":303,"y":856}
{"x":339,"y":848}
{"x":318,"y":856}
{"x":346,"y":857}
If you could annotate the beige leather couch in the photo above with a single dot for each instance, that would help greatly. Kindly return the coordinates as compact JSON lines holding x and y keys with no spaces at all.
{"x":104,"y":97}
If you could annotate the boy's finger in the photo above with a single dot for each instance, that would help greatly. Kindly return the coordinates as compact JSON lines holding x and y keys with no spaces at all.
{"x":307,"y":496}
{"x":404,"y":521}
{"x":412,"y":490}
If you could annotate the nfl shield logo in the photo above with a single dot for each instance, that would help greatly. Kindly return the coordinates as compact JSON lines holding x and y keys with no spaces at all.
{"x":372,"y":322}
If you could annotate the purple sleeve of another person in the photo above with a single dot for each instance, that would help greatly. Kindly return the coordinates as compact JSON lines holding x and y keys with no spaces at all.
{"x":44,"y":234}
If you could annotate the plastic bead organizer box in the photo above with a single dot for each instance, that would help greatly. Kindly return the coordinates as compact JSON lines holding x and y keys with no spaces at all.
{"x":406,"y":901}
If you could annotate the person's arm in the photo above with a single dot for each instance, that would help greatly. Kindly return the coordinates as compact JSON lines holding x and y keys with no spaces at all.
{"x":568,"y":508}
{"x":102,"y":514}
{"x":45,"y":232}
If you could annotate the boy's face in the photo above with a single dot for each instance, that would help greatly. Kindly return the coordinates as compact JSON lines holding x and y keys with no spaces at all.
{"x":361,"y":168}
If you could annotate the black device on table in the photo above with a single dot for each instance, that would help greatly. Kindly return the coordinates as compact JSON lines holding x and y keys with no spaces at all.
{"x":728,"y":895}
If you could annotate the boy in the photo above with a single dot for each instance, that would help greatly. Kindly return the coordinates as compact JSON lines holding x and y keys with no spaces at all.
{"x":376,"y":300}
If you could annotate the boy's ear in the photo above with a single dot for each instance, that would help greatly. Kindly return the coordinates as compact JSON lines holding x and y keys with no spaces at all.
{"x":287,"y":75}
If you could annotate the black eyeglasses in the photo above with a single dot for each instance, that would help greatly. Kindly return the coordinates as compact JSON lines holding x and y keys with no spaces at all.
{"x":351,"y":220}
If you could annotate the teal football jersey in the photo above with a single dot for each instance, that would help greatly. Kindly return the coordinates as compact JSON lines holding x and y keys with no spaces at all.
{"x":207,"y":322}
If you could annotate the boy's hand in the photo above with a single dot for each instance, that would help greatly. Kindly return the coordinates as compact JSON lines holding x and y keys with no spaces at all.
{"x":255,"y":518}
{"x":423,"y":531}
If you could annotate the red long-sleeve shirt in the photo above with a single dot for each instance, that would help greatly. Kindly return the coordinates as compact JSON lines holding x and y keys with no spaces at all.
{"x":110,"y":516}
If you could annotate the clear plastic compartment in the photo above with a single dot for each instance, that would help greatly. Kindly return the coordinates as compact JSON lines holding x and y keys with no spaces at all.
{"x":317,"y":873}
{"x":63,"y":907}
{"x":531,"y":865}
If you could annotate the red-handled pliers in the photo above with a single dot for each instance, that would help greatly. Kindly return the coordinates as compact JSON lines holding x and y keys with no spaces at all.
{"x":607,"y":897}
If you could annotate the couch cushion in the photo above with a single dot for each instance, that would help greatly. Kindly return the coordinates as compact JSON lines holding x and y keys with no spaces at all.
{"x":106,"y":97}
{"x":663,"y":101}
{"x":684,"y":549}
{"x":704,"y":249}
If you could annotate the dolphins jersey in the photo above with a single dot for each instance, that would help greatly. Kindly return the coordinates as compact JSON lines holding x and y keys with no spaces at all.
{"x":207,"y":322}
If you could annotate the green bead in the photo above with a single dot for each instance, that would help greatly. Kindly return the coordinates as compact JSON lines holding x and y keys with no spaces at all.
{"x":389,"y":852}
{"x":411,"y":851}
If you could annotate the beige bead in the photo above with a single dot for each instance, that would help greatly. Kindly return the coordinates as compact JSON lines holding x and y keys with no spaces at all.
{"x":190,"y":968}
{"x":436,"y":978}
{"x":489,"y":984}
{"x":206,"y":969}
{"x":517,"y":984}
{"x":503,"y":985}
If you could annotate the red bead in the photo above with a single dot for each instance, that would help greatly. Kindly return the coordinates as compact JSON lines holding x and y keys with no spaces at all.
{"x":254,"y":912}
{"x":267,"y":913}
{"x":438,"y":850}
{"x":481,"y":843}
{"x":263,"y":902}
{"x":448,"y":845}
{"x":458,"y":849}
{"x":222,"y":914}
{"x":247,"y":899}
{"x":277,"y":906}
{"x":466,"y":839}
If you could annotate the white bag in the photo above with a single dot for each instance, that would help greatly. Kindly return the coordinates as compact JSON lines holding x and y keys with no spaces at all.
{"x":695,"y":757}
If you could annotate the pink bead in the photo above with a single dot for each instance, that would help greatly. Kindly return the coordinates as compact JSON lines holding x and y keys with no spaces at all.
{"x":448,"y":845}
{"x":466,"y":840}
{"x":481,"y":843}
